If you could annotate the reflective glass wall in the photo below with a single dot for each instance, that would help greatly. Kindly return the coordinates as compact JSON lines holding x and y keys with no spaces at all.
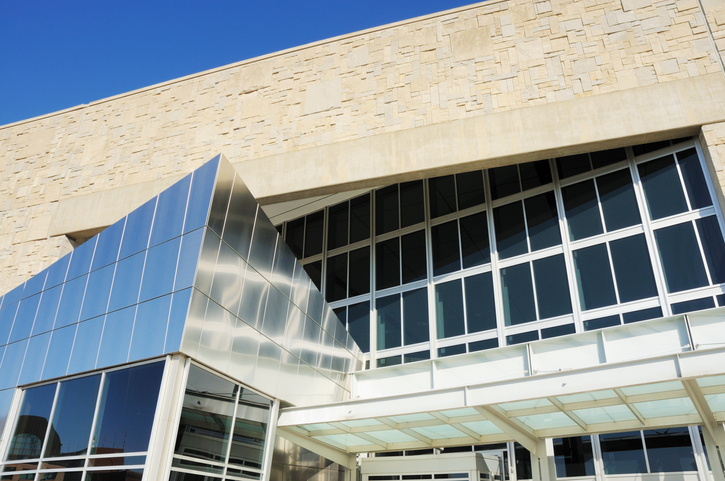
{"x":98,"y":424}
{"x":513,"y":254}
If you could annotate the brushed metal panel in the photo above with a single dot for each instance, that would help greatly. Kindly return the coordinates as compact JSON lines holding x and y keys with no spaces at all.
{"x":245,"y":347}
{"x":294,"y":330}
{"x":220,"y":198}
{"x":300,"y":287}
{"x":275,"y":315}
{"x":226,"y":288}
{"x":268,"y":362}
{"x":264,"y":244}
{"x":194,"y":323}
{"x":254,"y":298}
{"x":284,"y":268}
{"x":207,"y":261}
{"x":314,"y":307}
{"x":202,"y":186}
{"x":311,"y":342}
{"x":240,"y":218}
{"x":216,"y":341}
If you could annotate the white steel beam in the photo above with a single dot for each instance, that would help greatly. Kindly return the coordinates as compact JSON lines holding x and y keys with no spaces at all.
{"x":518,"y":433}
{"x":340,"y":457}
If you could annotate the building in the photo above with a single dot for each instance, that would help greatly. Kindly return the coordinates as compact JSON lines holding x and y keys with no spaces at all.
{"x":508,"y":227}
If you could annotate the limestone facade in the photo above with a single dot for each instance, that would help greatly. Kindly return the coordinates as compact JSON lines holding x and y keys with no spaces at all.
{"x":478,"y":61}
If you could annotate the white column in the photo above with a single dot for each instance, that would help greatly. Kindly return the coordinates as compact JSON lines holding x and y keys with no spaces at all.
{"x":715,"y":452}
{"x":543,"y":465}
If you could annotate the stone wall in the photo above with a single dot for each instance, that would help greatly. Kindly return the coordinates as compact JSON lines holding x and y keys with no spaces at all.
{"x":483,"y":59}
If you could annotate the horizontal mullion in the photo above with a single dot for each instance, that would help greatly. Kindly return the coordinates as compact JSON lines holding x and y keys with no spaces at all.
{"x":607,"y":237}
{"x":531,"y":256}
{"x":683,"y":217}
{"x":664,"y":151}
{"x":574,"y":179}
{"x":523,"y":195}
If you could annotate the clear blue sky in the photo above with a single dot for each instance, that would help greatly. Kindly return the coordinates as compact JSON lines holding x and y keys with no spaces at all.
{"x":59,"y":54}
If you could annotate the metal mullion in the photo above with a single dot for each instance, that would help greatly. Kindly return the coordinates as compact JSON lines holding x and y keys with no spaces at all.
{"x":495,"y":272}
{"x":323,"y":268}
{"x":231,"y":432}
{"x":568,"y":251}
{"x":702,"y":252}
{"x":304,"y":234}
{"x":682,"y":182}
{"x":460,"y":267}
{"x":50,"y":421}
{"x":614,"y":274}
{"x":534,"y":256}
{"x":432,"y":314}
{"x":461,"y":274}
{"x":607,"y":237}
{"x":592,"y":173}
{"x":91,"y":440}
{"x":533,"y":290}
{"x":644,"y":448}
{"x":522,"y":195}
{"x":526,"y":227}
{"x":372,"y":314}
{"x":672,"y":149}
{"x":660,"y":281}
{"x":711,"y":187}
{"x":620,"y":308}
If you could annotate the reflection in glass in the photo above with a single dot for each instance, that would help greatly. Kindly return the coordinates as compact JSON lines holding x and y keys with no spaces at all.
{"x":69,"y":309}
{"x":446,"y":254}
{"x":336,"y":282}
{"x":7,"y":317}
{"x":504,"y":181}
{"x":714,"y":247}
{"x":202,"y":185}
{"x":112,"y":475}
{"x":250,"y":430}
{"x":518,"y":294}
{"x":480,"y":309}
{"x":474,"y":240}
{"x":573,"y":457}
{"x":680,"y":257}
{"x":80,"y":261}
{"x":206,"y":417}
{"x":557,"y":331}
{"x":158,"y":278}
{"x":386,"y":209}
{"x":359,"y":218}
{"x":95,"y":301}
{"x":510,"y":230}
{"x":170,"y":211}
{"x":632,"y":268}
{"x":126,"y":409}
{"x":414,"y":257}
{"x":127,"y":282}
{"x":442,"y":196}
{"x":618,"y":201}
{"x":669,"y":450}
{"x":594,"y":277}
{"x":116,"y":337}
{"x":358,"y":324}
{"x":24,"y":318}
{"x":542,"y":221}
{"x":449,"y":309}
{"x":642,"y":315}
{"x":359,"y":278}
{"x":388,"y":322}
{"x":415,"y":316}
{"x":582,"y":213}
{"x":57,"y":271}
{"x":534,"y":174}
{"x":387,"y":264}
{"x":411,"y":203}
{"x":32,"y":424}
{"x":109,"y":241}
{"x":622,"y":453}
{"x":56,"y":363}
{"x":602,"y":322}
{"x":72,"y":417}
{"x":138,"y":227}
{"x":188,"y":257}
{"x":337,"y":226}
{"x":693,"y":305}
{"x":695,"y":184}
{"x":469,"y":187}
{"x":85,"y":347}
{"x":662,"y":187}
{"x":552,"y":286}
{"x":313,"y":233}
{"x":572,"y":165}
{"x":149,"y":328}
{"x":34,"y":358}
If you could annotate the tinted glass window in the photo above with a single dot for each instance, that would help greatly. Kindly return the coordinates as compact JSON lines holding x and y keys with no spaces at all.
{"x":386,"y":210}
{"x":714,"y":247}
{"x":359,"y":277}
{"x":33,"y":418}
{"x":360,"y":218}
{"x":622,"y":453}
{"x":573,"y":457}
{"x":474,"y":240}
{"x":358,"y":324}
{"x":313,"y":233}
{"x":680,"y":257}
{"x":572,"y":165}
{"x":446,"y":256}
{"x":387,"y":264}
{"x":695,"y":184}
{"x":415,"y":316}
{"x":411,"y":203}
{"x":414,"y":258}
{"x":518,"y":294}
{"x":296,"y":236}
{"x":582,"y":211}
{"x":337,"y":226}
{"x":449,"y":309}
{"x":127,"y":409}
{"x":594,"y":277}
{"x":534,"y":174}
{"x":607,"y":157}
{"x":336,"y":284}
{"x":552,"y":287}
{"x":632,"y":268}
{"x":510,"y":230}
{"x":542,"y":221}
{"x":480,"y":307}
{"x":504,"y":181}
{"x":314,"y":270}
{"x":388,"y":322}
{"x":442,"y":196}
{"x":618,"y":201}
{"x":669,"y":450}
{"x":470,"y":189}
{"x":73,"y":417}
{"x":662,"y":187}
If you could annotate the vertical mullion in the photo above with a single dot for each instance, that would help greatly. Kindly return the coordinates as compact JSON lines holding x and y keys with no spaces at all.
{"x":231,"y":431}
{"x":533,"y":290}
{"x":711,"y":187}
{"x":323,"y":267}
{"x":568,"y":252}
{"x":682,"y":181}
{"x":373,"y":318}
{"x":649,"y":234}
{"x":50,"y":421}
{"x":430,"y":286}
{"x":644,"y":448}
{"x":702,"y":251}
{"x":495,"y":274}
{"x":614,"y":274}
{"x":460,"y":267}
{"x":94,"y":424}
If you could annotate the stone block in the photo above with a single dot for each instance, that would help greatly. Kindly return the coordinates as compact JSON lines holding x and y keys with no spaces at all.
{"x":470,"y":44}
{"x":323,"y":96}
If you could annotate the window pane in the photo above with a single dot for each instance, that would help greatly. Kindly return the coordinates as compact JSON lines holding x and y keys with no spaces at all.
{"x":480,"y":308}
{"x":534,"y":174}
{"x":694,"y":179}
{"x":358,"y":324}
{"x":387,"y":263}
{"x":680,"y":257}
{"x":552,"y":287}
{"x":33,"y":418}
{"x":449,"y":309}
{"x":416,"y":356}
{"x":523,"y":462}
{"x":607,"y":157}
{"x":296,"y":236}
{"x":415,"y":316}
{"x":510,"y":230}
{"x":442,"y":196}
{"x":388,"y":322}
{"x":411,"y":203}
{"x":386,"y":209}
{"x":336,"y":283}
{"x":669,"y":450}
{"x":482,"y":345}
{"x":470,"y":189}
{"x":314,"y":270}
{"x":127,"y":408}
{"x":622,"y":453}
{"x":618,"y":202}
{"x":582,"y":213}
{"x":337,"y":226}
{"x":474,"y":240}
{"x":250,"y":430}
{"x":662,"y":187}
{"x":451,"y":350}
{"x":573,"y":457}
{"x":138,"y":227}
{"x":714,"y":247}
{"x":557,"y":331}
{"x":504,"y":181}
{"x":446,"y":256}
{"x":642,"y":315}
{"x":359,"y":278}
{"x":602,"y":322}
{"x":389,"y":361}
{"x":360,"y":218}
{"x":313,"y":233}
{"x":632,"y":268}
{"x":73,"y":417}
{"x":542,"y":221}
{"x":693,"y":305}
{"x":650,"y":147}
{"x":413,"y":250}
{"x":518,"y":295}
{"x":594,"y":277}
{"x":206,"y":417}
{"x":572,"y":165}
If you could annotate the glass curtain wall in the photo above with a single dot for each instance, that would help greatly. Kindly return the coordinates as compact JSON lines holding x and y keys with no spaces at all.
{"x":99,"y":425}
{"x":483,"y":259}
{"x":222,"y":431}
